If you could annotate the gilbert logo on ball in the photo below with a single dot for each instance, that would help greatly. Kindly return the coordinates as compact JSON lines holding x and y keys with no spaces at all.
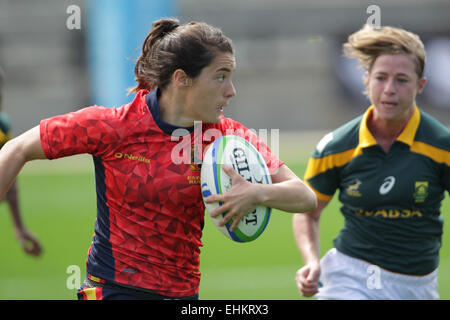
{"x":249,"y":163}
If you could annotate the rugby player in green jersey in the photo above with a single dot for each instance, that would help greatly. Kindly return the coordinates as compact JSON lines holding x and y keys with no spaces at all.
{"x":392,"y":168}
{"x":30,"y":244}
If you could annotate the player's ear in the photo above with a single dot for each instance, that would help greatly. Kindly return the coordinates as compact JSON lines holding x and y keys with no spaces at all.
{"x":181,"y":79}
{"x":421,"y":84}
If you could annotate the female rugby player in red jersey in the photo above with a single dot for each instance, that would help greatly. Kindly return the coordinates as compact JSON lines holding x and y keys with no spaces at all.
{"x":149,"y":209}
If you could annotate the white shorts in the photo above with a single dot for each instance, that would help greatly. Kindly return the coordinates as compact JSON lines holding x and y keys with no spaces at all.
{"x":346,"y":278}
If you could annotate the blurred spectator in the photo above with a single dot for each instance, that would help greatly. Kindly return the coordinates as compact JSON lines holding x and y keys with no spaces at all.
{"x":28,"y":241}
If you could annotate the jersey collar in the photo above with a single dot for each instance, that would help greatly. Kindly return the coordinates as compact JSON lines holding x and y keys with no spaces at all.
{"x":366,"y":138}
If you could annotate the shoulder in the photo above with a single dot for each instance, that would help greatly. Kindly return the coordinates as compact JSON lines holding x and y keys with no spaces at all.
{"x":432,"y":132}
{"x":228,"y":126}
{"x":228,"y":123}
{"x":102,"y":115}
{"x":342,"y":139}
{"x":5,"y":124}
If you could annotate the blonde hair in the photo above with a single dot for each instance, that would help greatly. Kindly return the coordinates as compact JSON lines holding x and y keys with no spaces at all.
{"x":368,"y":43}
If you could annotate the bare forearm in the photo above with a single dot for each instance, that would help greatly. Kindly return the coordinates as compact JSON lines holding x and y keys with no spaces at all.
{"x":13,"y":202}
{"x":287,"y":192}
{"x":15,"y":153}
{"x":306,"y":233}
{"x":290,"y":196}
{"x":11,"y":162}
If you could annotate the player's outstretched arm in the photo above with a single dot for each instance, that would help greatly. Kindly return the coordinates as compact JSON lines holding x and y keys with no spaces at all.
{"x":15,"y":153}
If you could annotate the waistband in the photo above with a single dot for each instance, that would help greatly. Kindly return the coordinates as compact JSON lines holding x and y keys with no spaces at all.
{"x":386,"y":274}
{"x":141,"y":293}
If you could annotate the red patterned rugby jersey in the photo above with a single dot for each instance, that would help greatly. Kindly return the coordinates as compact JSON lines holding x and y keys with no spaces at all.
{"x":150,"y":211}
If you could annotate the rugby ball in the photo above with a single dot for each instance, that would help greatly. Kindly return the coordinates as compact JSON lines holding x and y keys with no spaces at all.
{"x":249,"y":163}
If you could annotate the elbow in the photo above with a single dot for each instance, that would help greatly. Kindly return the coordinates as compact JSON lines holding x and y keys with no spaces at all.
{"x":315,"y":202}
{"x":15,"y":151}
{"x":312,"y":202}
{"x":309,"y":200}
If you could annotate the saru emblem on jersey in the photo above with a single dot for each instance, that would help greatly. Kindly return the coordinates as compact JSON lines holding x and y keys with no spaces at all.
{"x":352,"y":190}
{"x":421,"y":191}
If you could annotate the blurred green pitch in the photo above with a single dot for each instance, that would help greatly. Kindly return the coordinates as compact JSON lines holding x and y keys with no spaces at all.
{"x":58,"y":205}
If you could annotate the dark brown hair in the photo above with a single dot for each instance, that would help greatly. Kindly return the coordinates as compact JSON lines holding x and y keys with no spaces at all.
{"x":170,"y":46}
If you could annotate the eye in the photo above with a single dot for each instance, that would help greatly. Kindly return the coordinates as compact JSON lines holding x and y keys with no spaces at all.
{"x":403,"y":80}
{"x":221,"y":78}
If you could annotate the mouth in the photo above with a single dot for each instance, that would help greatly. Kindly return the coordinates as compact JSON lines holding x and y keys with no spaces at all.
{"x":221,"y":106}
{"x":389,"y":104}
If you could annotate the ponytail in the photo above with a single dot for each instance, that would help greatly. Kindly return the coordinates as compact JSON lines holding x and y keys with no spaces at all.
{"x":142,"y":70}
{"x":168,"y":47}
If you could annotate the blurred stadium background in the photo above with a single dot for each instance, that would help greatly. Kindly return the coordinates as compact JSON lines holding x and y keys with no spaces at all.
{"x":290,"y":76}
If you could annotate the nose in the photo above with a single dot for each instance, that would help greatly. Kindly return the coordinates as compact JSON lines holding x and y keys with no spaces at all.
{"x":231,"y":91}
{"x":389,"y":87}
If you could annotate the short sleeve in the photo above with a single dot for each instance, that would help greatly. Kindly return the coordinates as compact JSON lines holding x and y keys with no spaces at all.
{"x":90,"y":130}
{"x":321,"y":173}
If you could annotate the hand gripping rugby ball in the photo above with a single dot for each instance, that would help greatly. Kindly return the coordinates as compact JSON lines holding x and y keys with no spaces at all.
{"x":248,"y":162}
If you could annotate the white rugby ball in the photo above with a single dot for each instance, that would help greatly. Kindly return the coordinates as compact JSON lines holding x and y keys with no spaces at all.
{"x":249,"y":163}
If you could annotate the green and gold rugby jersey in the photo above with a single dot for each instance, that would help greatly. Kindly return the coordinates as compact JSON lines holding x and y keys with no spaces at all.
{"x":391,"y":201}
{"x":5,"y":128}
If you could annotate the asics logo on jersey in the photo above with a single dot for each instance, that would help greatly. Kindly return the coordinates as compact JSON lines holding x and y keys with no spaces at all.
{"x":388,"y":184}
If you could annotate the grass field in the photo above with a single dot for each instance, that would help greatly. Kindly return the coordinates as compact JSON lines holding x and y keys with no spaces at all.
{"x":58,"y":204}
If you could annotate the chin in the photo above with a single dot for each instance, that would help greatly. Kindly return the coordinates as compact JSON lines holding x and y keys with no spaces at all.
{"x":216,"y":119}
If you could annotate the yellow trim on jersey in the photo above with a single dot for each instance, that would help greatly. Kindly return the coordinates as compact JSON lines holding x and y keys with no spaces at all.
{"x":408,"y":134}
{"x":93,"y":278}
{"x":436,"y":154}
{"x":4,"y":137}
{"x":320,"y":196}
{"x":366,"y":138}
{"x":316,"y":166}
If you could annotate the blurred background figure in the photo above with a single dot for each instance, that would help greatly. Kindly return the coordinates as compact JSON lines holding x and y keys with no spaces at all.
{"x":30,"y":244}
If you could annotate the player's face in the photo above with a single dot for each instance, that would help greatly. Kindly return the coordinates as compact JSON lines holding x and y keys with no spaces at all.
{"x":211,"y":90}
{"x":393,"y":85}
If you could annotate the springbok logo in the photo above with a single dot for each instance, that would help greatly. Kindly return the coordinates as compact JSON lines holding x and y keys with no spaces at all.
{"x":353,"y":189}
{"x":388,"y":184}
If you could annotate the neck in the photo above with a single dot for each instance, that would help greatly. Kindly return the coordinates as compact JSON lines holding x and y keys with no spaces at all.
{"x":387,"y":128}
{"x":172,"y":109}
